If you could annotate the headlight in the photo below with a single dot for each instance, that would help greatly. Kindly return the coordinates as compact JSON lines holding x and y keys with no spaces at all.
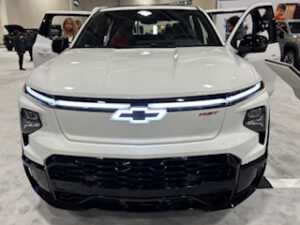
{"x":256,"y":120}
{"x":30,"y":121}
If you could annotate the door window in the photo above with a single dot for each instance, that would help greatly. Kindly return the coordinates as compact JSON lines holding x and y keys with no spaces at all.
{"x":55,"y":26}
{"x":260,"y":21}
{"x":157,"y":28}
{"x":226,"y":22}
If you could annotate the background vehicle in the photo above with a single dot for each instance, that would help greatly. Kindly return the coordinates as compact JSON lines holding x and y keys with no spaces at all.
{"x":289,"y":39}
{"x":50,"y":29}
{"x":8,"y":39}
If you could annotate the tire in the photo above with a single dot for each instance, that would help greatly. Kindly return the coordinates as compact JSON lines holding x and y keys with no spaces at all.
{"x":290,"y":58}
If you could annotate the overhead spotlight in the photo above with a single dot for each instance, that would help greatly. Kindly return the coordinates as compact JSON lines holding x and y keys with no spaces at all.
{"x":76,"y":2}
{"x":144,"y":12}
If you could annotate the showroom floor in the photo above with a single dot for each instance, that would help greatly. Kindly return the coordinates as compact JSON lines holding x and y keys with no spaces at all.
{"x":20,"y":205}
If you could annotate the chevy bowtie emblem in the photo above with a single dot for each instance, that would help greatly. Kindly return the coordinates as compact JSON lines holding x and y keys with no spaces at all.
{"x":139,"y":115}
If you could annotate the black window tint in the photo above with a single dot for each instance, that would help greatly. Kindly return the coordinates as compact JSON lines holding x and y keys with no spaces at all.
{"x":147,"y":28}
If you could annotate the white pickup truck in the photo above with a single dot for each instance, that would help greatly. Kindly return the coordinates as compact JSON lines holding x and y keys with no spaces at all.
{"x":148,"y":106}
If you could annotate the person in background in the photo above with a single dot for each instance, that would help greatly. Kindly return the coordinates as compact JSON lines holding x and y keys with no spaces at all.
{"x":280,"y":10}
{"x":121,"y":37}
{"x":29,"y":42}
{"x":230,"y":24}
{"x":69,"y":29}
{"x":20,"y":46}
{"x":79,"y":24}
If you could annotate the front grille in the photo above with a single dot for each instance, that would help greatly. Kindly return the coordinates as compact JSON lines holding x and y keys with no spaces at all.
{"x":207,"y":201}
{"x":150,"y":174}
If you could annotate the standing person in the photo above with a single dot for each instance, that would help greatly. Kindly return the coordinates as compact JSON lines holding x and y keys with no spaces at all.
{"x":230,"y":24}
{"x":79,"y":24}
{"x":29,"y":42}
{"x":280,"y":10}
{"x":121,"y":37}
{"x":69,"y":29}
{"x":20,"y":47}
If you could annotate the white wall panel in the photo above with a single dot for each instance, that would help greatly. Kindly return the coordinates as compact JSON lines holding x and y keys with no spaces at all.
{"x":3,"y":18}
{"x":206,"y":4}
{"x":90,"y":4}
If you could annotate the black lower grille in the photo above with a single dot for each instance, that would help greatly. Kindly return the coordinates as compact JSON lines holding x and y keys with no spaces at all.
{"x":65,"y":182}
{"x":152,"y":174}
{"x":175,"y":203}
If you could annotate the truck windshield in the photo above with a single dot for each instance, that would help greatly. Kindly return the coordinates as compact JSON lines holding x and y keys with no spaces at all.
{"x":149,"y":28}
{"x":295,"y":27}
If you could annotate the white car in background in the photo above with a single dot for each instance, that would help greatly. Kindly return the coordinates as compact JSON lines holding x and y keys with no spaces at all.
{"x":51,"y":28}
{"x":149,"y":107}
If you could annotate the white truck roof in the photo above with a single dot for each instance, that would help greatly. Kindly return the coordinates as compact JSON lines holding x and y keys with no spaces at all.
{"x":145,"y":7}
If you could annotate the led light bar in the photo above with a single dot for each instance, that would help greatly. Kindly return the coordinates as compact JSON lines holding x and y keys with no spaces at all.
{"x":90,"y":105}
{"x":40,"y":97}
{"x":72,"y":104}
{"x":192,"y":104}
{"x":209,"y":103}
{"x":244,"y":94}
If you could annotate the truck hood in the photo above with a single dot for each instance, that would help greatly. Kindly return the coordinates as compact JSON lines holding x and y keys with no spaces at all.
{"x":12,"y":27}
{"x":143,"y":73}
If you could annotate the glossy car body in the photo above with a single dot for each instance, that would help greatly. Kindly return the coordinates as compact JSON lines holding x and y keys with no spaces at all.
{"x":148,"y":126}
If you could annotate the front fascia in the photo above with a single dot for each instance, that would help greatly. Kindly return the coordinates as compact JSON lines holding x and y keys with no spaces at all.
{"x":233,"y":138}
{"x":108,"y":121}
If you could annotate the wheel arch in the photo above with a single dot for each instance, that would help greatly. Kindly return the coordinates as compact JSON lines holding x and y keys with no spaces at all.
{"x":290,"y":46}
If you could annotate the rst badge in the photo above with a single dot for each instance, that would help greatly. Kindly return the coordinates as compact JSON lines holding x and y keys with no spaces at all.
{"x":139,"y":115}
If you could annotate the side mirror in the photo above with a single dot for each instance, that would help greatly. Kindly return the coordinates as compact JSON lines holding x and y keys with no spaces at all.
{"x":59,"y":45}
{"x":252,"y":43}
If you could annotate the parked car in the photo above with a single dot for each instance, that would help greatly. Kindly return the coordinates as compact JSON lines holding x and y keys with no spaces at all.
{"x":289,"y":39}
{"x":8,"y":39}
{"x":149,"y":107}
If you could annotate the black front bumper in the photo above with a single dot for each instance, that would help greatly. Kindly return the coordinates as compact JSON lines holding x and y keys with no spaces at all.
{"x":207,"y":182}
